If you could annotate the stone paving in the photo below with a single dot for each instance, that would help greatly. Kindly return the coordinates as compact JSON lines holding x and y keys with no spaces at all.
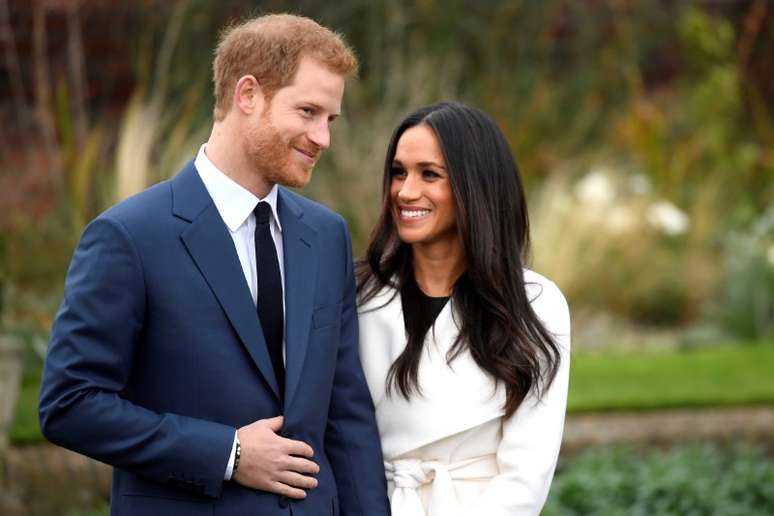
{"x":727,"y":425}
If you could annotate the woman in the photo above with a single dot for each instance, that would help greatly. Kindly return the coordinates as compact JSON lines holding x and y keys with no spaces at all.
{"x":465,"y":352}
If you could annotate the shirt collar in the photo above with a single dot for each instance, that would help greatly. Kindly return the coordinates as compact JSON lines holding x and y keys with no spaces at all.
{"x":234,"y":202}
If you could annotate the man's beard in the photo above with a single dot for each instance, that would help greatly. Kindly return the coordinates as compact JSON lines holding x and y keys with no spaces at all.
{"x":272,"y":157}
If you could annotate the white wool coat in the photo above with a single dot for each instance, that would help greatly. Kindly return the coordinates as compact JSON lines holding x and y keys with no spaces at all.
{"x":450,"y":451}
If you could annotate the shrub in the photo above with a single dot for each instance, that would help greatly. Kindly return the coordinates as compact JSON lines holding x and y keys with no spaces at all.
{"x":691,"y":480}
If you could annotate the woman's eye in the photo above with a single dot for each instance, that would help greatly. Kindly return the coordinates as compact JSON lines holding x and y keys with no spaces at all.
{"x":430,"y":174}
{"x":397,"y":172}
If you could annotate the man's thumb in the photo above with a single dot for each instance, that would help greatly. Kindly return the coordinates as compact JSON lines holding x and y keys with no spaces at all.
{"x":275,"y":423}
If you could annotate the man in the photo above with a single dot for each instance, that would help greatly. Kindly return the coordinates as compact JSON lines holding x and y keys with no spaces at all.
{"x":206,"y":346}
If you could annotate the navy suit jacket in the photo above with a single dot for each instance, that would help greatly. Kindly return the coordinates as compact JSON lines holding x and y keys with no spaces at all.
{"x":157,"y":356}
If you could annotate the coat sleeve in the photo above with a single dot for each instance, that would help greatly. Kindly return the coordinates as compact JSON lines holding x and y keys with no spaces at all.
{"x":352,"y":438}
{"x":94,"y":340}
{"x":532,"y":436}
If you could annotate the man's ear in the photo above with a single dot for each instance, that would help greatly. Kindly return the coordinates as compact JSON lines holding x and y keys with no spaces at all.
{"x":248,"y":96}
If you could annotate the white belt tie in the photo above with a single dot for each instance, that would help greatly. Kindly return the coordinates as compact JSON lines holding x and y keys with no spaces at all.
{"x":409,"y":475}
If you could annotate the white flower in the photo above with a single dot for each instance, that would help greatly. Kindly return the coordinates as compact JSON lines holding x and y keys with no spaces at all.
{"x":595,"y":188}
{"x":667,"y":217}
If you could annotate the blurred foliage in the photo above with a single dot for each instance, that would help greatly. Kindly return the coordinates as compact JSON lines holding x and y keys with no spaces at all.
{"x":4,"y":281}
{"x":696,"y":480}
{"x":102,"y":510}
{"x":656,"y":93}
{"x":684,"y":144}
{"x":747,"y":303}
{"x":613,"y":244}
{"x":26,"y":426}
{"x":100,"y":157}
{"x":694,"y":132}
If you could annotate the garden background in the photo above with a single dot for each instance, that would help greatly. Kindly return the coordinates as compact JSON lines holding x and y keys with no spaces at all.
{"x":644,"y":131}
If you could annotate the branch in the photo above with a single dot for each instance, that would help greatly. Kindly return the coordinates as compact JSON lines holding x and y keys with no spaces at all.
{"x":11,"y":56}
{"x":77,"y":66}
{"x":43,"y":97}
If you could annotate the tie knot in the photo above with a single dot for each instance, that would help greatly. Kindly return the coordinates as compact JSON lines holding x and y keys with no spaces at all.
{"x":262,"y":213}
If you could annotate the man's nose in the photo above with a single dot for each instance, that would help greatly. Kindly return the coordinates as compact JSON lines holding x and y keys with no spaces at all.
{"x":320,"y":134}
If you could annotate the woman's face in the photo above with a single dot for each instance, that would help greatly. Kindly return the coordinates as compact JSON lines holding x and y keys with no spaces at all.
{"x":422,"y":202}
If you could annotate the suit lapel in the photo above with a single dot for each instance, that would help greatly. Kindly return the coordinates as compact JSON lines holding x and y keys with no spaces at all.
{"x":300,"y":250}
{"x":212,"y":249}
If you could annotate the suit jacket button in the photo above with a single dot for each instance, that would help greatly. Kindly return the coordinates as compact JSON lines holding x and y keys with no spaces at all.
{"x":283,"y":501}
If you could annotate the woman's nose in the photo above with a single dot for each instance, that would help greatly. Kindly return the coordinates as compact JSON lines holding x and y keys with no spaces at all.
{"x":410,"y":189}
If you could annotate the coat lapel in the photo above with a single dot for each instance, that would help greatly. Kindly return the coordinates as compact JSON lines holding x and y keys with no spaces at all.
{"x":212,"y":249}
{"x":301,"y":251}
{"x":455,"y":397}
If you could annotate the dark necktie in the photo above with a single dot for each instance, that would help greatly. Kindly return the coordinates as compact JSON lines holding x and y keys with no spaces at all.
{"x":269,"y":291}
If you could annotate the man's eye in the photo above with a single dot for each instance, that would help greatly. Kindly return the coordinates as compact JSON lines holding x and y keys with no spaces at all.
{"x":307,"y":111}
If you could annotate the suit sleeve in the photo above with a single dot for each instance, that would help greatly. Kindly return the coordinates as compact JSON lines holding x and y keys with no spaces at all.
{"x":94,"y":339}
{"x":532,"y":436}
{"x":352,"y":439}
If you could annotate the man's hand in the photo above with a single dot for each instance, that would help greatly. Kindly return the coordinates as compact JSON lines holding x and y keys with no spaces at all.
{"x":273,"y":463}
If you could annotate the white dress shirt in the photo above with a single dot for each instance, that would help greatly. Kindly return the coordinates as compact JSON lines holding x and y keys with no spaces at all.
{"x":235,"y":204}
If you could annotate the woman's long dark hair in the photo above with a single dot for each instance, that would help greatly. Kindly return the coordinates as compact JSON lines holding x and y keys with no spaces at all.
{"x":497,"y":323}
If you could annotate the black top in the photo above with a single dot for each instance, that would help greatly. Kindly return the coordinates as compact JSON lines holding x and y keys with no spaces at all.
{"x":419,"y":309}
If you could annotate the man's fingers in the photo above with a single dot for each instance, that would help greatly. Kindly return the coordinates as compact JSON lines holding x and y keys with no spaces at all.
{"x":298,"y":448}
{"x":294,"y":479}
{"x":286,"y":490}
{"x":275,"y":423}
{"x":301,"y":465}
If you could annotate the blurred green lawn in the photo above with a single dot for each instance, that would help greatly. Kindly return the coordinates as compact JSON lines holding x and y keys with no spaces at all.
{"x":727,"y":375}
{"x":724,"y":375}
{"x":25,"y":428}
